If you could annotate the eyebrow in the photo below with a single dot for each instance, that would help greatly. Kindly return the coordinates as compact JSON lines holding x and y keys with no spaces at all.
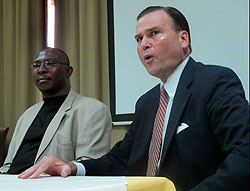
{"x":148,"y":30}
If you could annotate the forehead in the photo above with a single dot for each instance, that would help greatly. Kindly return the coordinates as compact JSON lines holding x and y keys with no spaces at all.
{"x":154,"y":19}
{"x":48,"y":54}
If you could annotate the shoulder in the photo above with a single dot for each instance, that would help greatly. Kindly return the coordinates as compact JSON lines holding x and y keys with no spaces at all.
{"x":213,"y":80}
{"x":86,"y":108}
{"x":33,"y":108}
{"x":29,"y":113}
{"x":87,"y":103}
{"x":210,"y":70}
{"x":148,"y":97}
{"x":209,"y":75}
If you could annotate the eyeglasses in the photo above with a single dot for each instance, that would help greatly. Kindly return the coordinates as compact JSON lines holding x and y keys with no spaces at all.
{"x":47,"y":64}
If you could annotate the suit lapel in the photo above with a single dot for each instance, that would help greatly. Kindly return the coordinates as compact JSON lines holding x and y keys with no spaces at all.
{"x":25,"y":125}
{"x":55,"y":123}
{"x":181,"y":98}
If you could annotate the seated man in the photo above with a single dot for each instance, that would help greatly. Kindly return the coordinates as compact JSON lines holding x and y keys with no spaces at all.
{"x":65,"y":125}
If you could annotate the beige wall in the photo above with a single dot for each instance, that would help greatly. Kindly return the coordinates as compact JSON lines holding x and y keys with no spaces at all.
{"x":118,"y":133}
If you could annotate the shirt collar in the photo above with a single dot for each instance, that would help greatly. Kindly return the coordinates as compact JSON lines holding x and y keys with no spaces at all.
{"x":171,"y":84}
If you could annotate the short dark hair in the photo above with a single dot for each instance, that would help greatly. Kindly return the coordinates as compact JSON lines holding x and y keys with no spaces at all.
{"x":178,"y":19}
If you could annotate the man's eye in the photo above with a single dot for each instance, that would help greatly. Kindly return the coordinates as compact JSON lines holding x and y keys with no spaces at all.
{"x":36,"y":65}
{"x":49,"y":63}
{"x":139,"y":39}
{"x":153,"y":33}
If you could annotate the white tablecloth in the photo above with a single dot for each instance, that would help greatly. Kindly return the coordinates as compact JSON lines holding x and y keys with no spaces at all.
{"x":74,"y":183}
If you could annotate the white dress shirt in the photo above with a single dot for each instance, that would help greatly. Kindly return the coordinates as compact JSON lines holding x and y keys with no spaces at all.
{"x":170,"y":86}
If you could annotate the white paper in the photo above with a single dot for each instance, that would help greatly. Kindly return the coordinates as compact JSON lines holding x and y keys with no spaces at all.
{"x":55,"y":183}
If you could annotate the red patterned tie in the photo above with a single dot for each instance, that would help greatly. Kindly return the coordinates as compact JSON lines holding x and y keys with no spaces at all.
{"x":155,"y":144}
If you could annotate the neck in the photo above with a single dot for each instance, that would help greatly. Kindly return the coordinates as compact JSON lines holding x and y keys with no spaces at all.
{"x":166,"y":75}
{"x":48,"y":94}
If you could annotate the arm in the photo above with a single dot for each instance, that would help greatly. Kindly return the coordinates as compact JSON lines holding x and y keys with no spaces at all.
{"x":12,"y":148}
{"x":113,"y":163}
{"x":228,"y":111}
{"x":116,"y":161}
{"x":53,"y":166}
{"x":94,"y":134}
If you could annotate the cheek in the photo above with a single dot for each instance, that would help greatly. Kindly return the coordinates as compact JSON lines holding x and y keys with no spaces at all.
{"x":161,"y":44}
{"x":161,"y":49}
{"x":162,"y":37}
{"x":164,"y":47}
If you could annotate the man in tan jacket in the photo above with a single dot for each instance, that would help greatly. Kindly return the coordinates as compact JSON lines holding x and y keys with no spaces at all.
{"x":65,"y":125}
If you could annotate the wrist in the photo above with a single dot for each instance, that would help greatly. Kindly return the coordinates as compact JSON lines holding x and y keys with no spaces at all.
{"x":73,"y":168}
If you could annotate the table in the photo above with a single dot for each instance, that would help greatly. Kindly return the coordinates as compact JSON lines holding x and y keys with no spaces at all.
{"x":86,"y":183}
{"x":149,"y":184}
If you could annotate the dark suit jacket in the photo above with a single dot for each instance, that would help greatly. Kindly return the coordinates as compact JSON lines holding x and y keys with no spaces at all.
{"x":211,"y":154}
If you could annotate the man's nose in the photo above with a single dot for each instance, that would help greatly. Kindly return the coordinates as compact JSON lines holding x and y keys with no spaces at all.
{"x":145,"y":43}
{"x":42,"y":69}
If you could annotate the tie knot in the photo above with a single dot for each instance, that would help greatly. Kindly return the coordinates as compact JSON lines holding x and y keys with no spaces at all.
{"x":164,"y":94}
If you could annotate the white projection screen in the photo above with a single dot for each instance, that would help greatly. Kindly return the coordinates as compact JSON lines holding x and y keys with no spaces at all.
{"x":219,"y":34}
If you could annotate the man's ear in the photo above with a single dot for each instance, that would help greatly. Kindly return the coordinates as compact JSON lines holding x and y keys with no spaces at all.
{"x":69,"y":71}
{"x":184,"y":39}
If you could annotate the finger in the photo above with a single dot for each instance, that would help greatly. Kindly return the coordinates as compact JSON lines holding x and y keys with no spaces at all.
{"x":66,"y":170}
{"x":27,"y":173}
{"x":41,"y":169}
{"x":64,"y":174}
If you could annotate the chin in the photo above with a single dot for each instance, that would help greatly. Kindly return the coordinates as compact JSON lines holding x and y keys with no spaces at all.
{"x":43,"y":88}
{"x":151,"y":71}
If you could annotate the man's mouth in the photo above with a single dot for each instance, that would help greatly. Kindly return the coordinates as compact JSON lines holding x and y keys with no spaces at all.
{"x":148,"y":58}
{"x":43,"y":79}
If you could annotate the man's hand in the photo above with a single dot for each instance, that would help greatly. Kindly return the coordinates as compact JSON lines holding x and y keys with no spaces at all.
{"x":49,"y":165}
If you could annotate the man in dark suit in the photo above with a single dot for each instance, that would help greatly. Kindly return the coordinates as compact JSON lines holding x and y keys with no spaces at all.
{"x":199,"y":122}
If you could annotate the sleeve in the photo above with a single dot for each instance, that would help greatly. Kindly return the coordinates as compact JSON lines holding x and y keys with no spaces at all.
{"x":94,"y":139}
{"x":12,"y":148}
{"x":228,"y":111}
{"x":116,"y":161}
{"x":80,"y":169}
